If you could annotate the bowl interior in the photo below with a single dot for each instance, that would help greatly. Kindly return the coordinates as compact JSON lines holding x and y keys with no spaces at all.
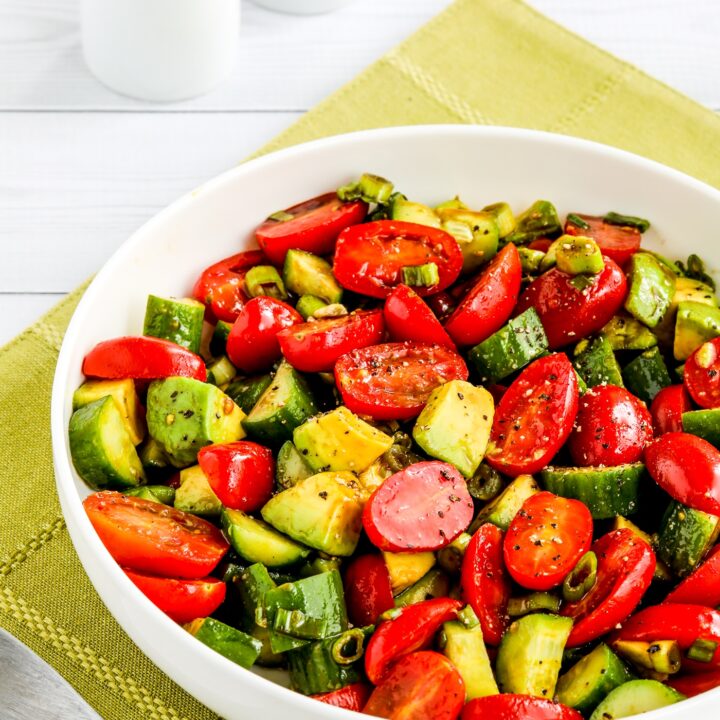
{"x":427,"y":163}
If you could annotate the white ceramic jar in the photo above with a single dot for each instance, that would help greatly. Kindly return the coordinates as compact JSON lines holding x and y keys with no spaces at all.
{"x":161,"y":50}
{"x":302,"y":7}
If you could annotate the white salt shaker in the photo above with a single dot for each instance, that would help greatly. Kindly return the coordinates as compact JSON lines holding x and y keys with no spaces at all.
{"x":161,"y":50}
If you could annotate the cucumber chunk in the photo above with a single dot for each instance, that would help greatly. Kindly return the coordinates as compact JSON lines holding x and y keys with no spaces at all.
{"x":635,"y":697}
{"x":704,"y":424}
{"x":218,"y":341}
{"x":433,"y":584}
{"x":290,"y":466}
{"x":179,"y":320}
{"x":245,"y":392}
{"x":233,"y":644}
{"x":157,"y":493}
{"x":504,"y":217}
{"x":465,"y":649}
{"x":308,"y":274}
{"x":505,"y":506}
{"x":221,"y":371}
{"x":477,"y":234}
{"x":647,"y":375}
{"x":595,"y":362}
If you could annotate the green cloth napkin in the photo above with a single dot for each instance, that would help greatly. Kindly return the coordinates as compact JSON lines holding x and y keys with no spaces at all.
{"x":481,"y":61}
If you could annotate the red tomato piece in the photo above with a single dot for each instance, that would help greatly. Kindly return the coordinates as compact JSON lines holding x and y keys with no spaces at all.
{"x":394,"y":381}
{"x":368,"y":592}
{"x":441,"y":304}
{"x":702,"y":374}
{"x":423,"y":507}
{"x":183,"y":600}
{"x":612,"y":427}
{"x":534,"y":417}
{"x":485,"y":582}
{"x":702,"y":586}
{"x":546,"y":539}
{"x":221,"y":287}
{"x":569,"y":314}
{"x":667,"y":409}
{"x":692,"y":685}
{"x":252,"y":344}
{"x":316,"y":346}
{"x":241,"y":474}
{"x":147,"y":536}
{"x":687,"y":468}
{"x":542,"y":244}
{"x":313,"y":226}
{"x":517,"y":707}
{"x":619,"y":242}
{"x":369,"y":258}
{"x":487,"y":307}
{"x":626,"y":564}
{"x":407,"y":317}
{"x":351,"y":697}
{"x":142,"y":358}
{"x":419,"y":686}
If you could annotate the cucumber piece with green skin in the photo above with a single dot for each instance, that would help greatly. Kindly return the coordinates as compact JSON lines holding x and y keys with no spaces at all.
{"x":607,"y":491}
{"x":286,"y":403}
{"x":685,"y":537}
{"x":152,"y":456}
{"x":257,"y":542}
{"x":101,"y":447}
{"x":179,"y":320}
{"x":477,"y":235}
{"x":704,"y":424}
{"x":695,"y":324}
{"x":578,"y":255}
{"x":530,"y":260}
{"x":662,"y":572}
{"x":595,"y":362}
{"x":647,"y":375}
{"x":539,"y":220}
{"x":308,"y":274}
{"x":434,"y":584}
{"x":290,"y":466}
{"x":156,"y":493}
{"x":530,"y":654}
{"x":233,"y":644}
{"x":587,"y":682}
{"x":627,"y":333}
{"x":245,"y":392}
{"x":635,"y":697}
{"x":218,"y":341}
{"x":507,"y":504}
{"x":370,"y":188}
{"x":465,"y":649}
{"x":308,"y":305}
{"x":504,"y":217}
{"x":651,"y":289}
{"x":511,"y":348}
{"x":221,"y":371}
{"x":194,"y":495}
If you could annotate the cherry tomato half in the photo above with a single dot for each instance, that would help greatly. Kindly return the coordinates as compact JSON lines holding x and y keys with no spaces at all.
{"x":702,"y":374}
{"x":667,"y":409}
{"x":312,"y":225}
{"x":692,"y":685}
{"x":569,"y":314}
{"x":687,"y":468}
{"x":487,"y":307}
{"x":394,"y":381}
{"x":142,"y":358}
{"x":369,"y":258}
{"x":485,"y":582}
{"x":316,"y":346}
{"x":626,"y":564}
{"x":534,"y":417}
{"x":183,"y":600}
{"x":147,"y":536}
{"x":702,"y":586}
{"x":407,"y":317}
{"x":545,"y":540}
{"x":618,"y":242}
{"x":350,"y":697}
{"x":612,"y":427}
{"x":368,"y":592}
{"x":241,"y":474}
{"x":507,"y":706}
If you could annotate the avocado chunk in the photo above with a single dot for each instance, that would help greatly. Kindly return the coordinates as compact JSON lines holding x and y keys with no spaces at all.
{"x":465,"y":648}
{"x":101,"y":447}
{"x":414,"y":212}
{"x":506,"y":505}
{"x":125,"y":396}
{"x":577,"y":254}
{"x":233,"y":644}
{"x":477,"y":234}
{"x":530,"y":260}
{"x":184,"y":415}
{"x":539,"y":220}
{"x":323,"y":511}
{"x":686,"y":290}
{"x":504,"y":217}
{"x":651,"y":291}
{"x":455,"y":425}
{"x":596,"y":364}
{"x":308,"y":274}
{"x":339,"y":440}
{"x":406,"y":568}
{"x":627,"y":333}
{"x":696,"y":323}
{"x":179,"y":320}
{"x":195,"y":494}
{"x":370,"y":188}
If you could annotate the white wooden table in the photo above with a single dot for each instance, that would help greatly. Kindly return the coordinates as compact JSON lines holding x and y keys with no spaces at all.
{"x":81,"y":167}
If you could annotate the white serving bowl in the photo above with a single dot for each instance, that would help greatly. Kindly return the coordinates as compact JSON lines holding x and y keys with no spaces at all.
{"x":429,"y":164}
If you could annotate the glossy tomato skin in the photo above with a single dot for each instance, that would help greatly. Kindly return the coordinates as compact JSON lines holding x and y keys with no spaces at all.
{"x":146,"y":536}
{"x":546,"y":539}
{"x":316,"y":346}
{"x":626,"y":564}
{"x":407,"y":317}
{"x":183,"y":600}
{"x":508,"y":706}
{"x":485,"y":582}
{"x":569,"y":314}
{"x":616,"y":241}
{"x":252,"y":344}
{"x":419,"y":686}
{"x":702,"y":586}
{"x":612,"y":427}
{"x":142,"y":358}
{"x":369,"y":258}
{"x":702,"y":374}
{"x":667,"y":409}
{"x":368,"y":592}
{"x":489,"y":304}
{"x":687,"y":468}
{"x":534,"y":417}
{"x":692,"y":685}
{"x":221,"y":287}
{"x":423,"y":507}
{"x":314,"y":227}
{"x":241,"y":474}
{"x":393,"y":381}
{"x":350,"y":697}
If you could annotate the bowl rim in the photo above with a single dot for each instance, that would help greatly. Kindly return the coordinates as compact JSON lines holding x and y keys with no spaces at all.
{"x":70,"y":501}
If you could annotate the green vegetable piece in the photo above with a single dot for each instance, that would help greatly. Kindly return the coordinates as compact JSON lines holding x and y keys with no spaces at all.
{"x":221,"y":371}
{"x":291,"y":466}
{"x":505,"y":506}
{"x":425,"y":275}
{"x":701,"y":650}
{"x":319,"y":565}
{"x":504,"y":217}
{"x":651,"y":289}
{"x":265,"y":281}
{"x":534,"y":602}
{"x":195,"y":494}
{"x":155,"y":493}
{"x":539,"y":220}
{"x":662,"y":572}
{"x":596,"y":364}
{"x":578,"y":254}
{"x":297,"y":624}
{"x":695,"y":269}
{"x":101,"y":446}
{"x":696,"y":323}
{"x":530,"y":653}
{"x":635,"y":697}
{"x":434,"y":584}
{"x":627,"y":333}
{"x":152,"y":456}
{"x":686,"y":290}
{"x":407,"y":568}
{"x":414,"y":212}
{"x":581,"y":579}
{"x":218,"y":341}
{"x":308,"y":274}
{"x":530,"y":260}
{"x":704,"y":424}
{"x":314,"y":668}
{"x":662,"y":656}
{"x":613,"y":218}
{"x":234,"y":644}
{"x":308,"y":305}
{"x":486,"y":484}
{"x":647,"y":375}
{"x":577,"y":221}
{"x":455,"y":203}
{"x":477,"y":235}
{"x":178,"y":320}
{"x":245,"y":392}
{"x":465,"y":649}
{"x":370,"y":188}
{"x":451,"y":556}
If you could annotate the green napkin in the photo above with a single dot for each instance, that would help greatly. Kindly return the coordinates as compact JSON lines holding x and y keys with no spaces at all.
{"x":481,"y":61}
